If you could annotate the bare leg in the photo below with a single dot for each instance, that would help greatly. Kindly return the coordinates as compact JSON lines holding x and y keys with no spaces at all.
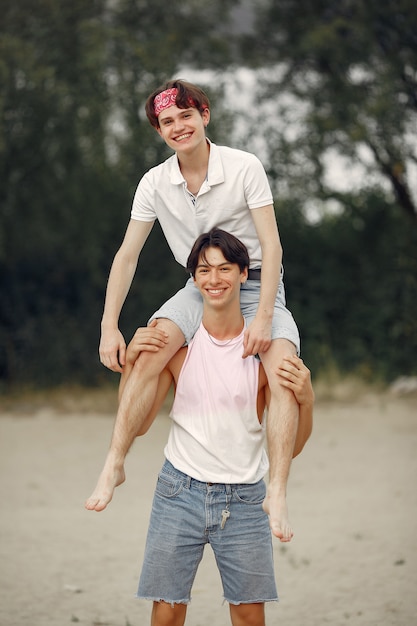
{"x":247,"y":614}
{"x":164,"y":614}
{"x":282,"y":424}
{"x":135,"y":404}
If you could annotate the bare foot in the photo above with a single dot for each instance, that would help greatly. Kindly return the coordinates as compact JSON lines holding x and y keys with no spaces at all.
{"x":275,"y":507}
{"x":110,"y":478}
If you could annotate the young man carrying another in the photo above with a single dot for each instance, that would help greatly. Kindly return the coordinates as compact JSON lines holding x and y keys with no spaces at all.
{"x":211,"y":487}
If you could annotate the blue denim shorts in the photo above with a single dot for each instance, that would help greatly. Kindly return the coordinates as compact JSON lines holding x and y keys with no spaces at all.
{"x":185,"y":309}
{"x":186,"y":515}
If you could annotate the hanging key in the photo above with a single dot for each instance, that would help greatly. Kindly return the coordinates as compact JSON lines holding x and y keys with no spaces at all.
{"x":225,"y":517}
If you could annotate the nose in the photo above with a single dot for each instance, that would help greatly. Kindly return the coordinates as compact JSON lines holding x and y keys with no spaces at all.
{"x":178,"y":124}
{"x":214,"y":277}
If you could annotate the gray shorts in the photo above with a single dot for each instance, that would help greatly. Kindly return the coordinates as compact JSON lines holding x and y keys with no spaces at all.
{"x":185,"y":309}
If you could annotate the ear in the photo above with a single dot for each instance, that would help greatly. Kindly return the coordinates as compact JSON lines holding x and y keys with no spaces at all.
{"x":244,"y":276}
{"x":158,"y":130}
{"x":206,"y":117}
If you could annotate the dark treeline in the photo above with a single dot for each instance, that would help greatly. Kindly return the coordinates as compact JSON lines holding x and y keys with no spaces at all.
{"x":74,"y":143}
{"x":351,"y":282}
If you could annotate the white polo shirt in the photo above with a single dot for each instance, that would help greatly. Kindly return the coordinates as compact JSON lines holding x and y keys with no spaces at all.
{"x":236,"y":183}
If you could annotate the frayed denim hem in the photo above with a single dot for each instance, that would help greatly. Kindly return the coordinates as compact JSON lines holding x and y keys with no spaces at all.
{"x":236,"y":603}
{"x":171,"y":602}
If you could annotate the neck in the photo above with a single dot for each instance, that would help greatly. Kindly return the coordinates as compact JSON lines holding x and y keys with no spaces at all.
{"x":195,"y":160}
{"x":223,"y":325}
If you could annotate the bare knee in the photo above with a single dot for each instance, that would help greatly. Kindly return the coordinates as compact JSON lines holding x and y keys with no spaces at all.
{"x":248,"y":614}
{"x":166,"y":614}
{"x":149,"y":364}
{"x":278,"y":350}
{"x":173,"y":331}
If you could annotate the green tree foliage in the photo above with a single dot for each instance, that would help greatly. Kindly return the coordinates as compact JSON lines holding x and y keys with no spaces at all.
{"x":343,"y":76}
{"x":351,"y":282}
{"x":52,"y":162}
{"x":338,"y":82}
{"x":73,"y":144}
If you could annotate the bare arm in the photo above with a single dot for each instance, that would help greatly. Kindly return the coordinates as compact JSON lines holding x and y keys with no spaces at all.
{"x":258,"y":335}
{"x":112,"y":345}
{"x":294,"y":375}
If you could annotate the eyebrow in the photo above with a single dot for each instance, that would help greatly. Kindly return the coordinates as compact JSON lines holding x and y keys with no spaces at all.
{"x":209,"y":265}
{"x":170,"y":117}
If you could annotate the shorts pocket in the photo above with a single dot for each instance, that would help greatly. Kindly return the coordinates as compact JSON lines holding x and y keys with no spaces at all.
{"x":251,"y":494}
{"x":168,"y":486}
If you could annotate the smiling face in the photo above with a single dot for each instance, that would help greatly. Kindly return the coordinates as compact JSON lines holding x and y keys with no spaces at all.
{"x":183,"y":129}
{"x":218,"y":279}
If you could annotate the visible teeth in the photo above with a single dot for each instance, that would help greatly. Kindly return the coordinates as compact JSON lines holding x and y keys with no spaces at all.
{"x":215,"y":290}
{"x":183,"y":137}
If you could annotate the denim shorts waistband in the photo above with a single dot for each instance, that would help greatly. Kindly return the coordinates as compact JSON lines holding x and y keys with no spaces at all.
{"x":189,"y":481}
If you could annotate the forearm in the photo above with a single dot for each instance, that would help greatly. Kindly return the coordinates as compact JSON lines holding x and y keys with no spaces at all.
{"x":270,"y":277}
{"x":305,"y":427}
{"x":295,"y":375}
{"x":267,"y":231}
{"x":120,"y":280}
{"x":305,"y":416}
{"x":123,"y":270}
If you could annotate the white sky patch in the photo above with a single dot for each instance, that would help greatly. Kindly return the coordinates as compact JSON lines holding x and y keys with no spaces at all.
{"x":344,"y":174}
{"x":241,"y":88}
{"x":316,"y":209}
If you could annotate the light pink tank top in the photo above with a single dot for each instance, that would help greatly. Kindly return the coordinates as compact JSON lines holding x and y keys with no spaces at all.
{"x":215,"y":432}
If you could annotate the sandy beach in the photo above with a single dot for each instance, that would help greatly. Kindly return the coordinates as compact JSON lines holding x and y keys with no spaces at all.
{"x":353,"y":506}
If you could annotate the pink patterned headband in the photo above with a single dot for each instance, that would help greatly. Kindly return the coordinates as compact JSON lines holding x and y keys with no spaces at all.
{"x":164,"y":100}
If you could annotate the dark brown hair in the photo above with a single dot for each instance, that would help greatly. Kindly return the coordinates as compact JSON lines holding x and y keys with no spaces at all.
{"x":189,"y":95}
{"x":232,"y":248}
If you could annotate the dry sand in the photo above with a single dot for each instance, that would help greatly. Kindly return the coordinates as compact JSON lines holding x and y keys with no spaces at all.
{"x":353,"y":505}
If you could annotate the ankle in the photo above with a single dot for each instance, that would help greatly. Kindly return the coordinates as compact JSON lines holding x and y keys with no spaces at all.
{"x":277,"y":490}
{"x":114,"y":461}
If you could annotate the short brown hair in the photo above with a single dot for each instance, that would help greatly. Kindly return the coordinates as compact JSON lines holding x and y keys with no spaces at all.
{"x":232,"y":248}
{"x":189,"y":95}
